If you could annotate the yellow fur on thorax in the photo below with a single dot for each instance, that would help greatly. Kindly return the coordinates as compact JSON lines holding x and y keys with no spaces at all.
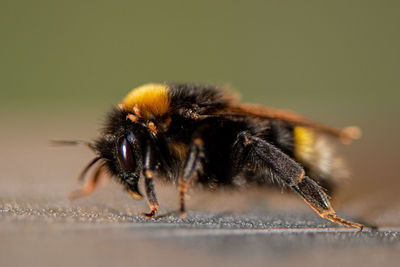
{"x":304,"y":143}
{"x":148,"y":101}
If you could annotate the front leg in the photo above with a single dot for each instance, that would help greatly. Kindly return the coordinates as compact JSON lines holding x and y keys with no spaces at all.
{"x":255,"y":153}
{"x":148,"y":172}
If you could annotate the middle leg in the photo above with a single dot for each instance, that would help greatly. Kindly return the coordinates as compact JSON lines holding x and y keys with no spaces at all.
{"x":190,"y":171}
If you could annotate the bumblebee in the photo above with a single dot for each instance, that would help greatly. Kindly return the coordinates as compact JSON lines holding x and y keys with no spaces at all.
{"x":192,"y":133}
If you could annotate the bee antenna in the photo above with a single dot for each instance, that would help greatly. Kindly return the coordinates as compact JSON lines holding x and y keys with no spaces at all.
{"x":74,"y":143}
{"x":87,"y":168}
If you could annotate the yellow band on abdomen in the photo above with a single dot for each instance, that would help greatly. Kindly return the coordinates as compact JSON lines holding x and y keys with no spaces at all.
{"x":304,"y":142}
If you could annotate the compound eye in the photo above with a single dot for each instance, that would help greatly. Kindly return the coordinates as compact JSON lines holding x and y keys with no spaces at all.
{"x":125,"y":154}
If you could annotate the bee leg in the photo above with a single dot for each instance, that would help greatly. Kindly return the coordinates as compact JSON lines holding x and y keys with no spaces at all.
{"x":190,"y":170}
{"x":90,"y":185}
{"x":133,"y":189}
{"x":149,"y":184}
{"x":318,"y":200}
{"x":264,"y":155}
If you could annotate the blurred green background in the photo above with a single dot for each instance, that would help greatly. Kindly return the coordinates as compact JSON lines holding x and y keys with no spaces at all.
{"x":337,"y":62}
{"x":313,"y":56}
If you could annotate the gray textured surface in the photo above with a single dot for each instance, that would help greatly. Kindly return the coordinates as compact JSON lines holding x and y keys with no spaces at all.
{"x":101,"y":236}
{"x":40,"y":227}
{"x":46,"y":233}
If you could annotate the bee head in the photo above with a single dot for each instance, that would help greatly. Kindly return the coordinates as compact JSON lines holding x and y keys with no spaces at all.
{"x":122,"y":145}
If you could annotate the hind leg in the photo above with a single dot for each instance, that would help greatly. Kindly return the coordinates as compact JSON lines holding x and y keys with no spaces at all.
{"x":255,"y":153}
